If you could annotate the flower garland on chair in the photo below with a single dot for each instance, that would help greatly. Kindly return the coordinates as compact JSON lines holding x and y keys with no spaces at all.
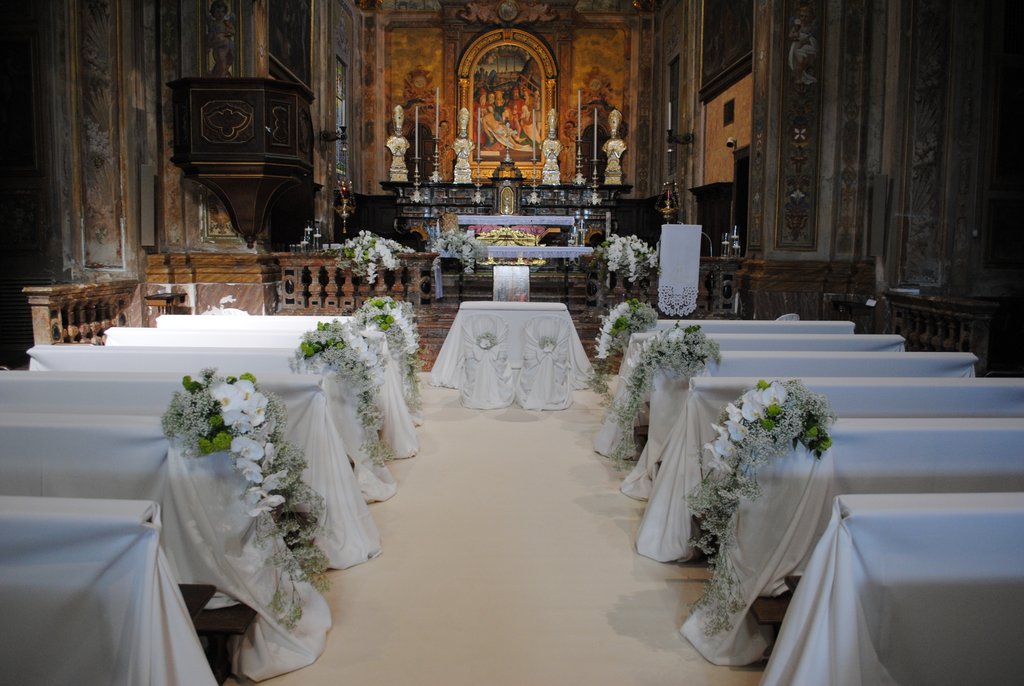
{"x":229,"y":414}
{"x":398,"y":323}
{"x":340,"y":347}
{"x":628,"y":255}
{"x":624,"y":320}
{"x":766,"y":422}
{"x":684,"y":352}
{"x":363,"y":253}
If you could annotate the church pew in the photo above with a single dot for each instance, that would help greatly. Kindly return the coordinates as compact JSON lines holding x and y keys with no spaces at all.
{"x":776,"y":533}
{"x":349,"y":535}
{"x":206,"y":530}
{"x":666,"y":528}
{"x":88,"y":596}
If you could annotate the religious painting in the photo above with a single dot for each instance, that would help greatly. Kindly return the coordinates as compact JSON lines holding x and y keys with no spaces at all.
{"x":507,"y":81}
{"x":221,"y":44}
{"x":727,"y":38}
{"x":291,"y":25}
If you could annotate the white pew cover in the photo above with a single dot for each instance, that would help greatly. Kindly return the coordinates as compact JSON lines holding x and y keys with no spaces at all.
{"x":205,"y":338}
{"x":207,"y":534}
{"x":909,"y":588}
{"x":665,"y":529}
{"x":776,"y":533}
{"x":88,"y":597}
{"x":270,"y":322}
{"x":349,"y":535}
{"x":804,"y":326}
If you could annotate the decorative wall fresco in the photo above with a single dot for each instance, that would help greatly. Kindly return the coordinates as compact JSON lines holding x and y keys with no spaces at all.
{"x":726,"y":38}
{"x":221,"y":38}
{"x":800,"y":126}
{"x":507,"y":88}
{"x":414,"y":59}
{"x":600,"y":58}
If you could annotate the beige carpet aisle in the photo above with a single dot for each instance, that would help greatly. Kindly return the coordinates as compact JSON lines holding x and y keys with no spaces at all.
{"x":508,"y":561}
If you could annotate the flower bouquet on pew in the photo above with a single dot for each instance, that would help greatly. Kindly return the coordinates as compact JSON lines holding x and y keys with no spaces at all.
{"x":765,"y":423}
{"x":341,"y":348}
{"x":684,"y":352}
{"x":228,"y":414}
{"x":624,"y":320}
{"x":365,"y":253}
{"x":397,"y":322}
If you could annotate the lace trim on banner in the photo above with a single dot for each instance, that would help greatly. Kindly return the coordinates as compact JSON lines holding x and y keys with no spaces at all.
{"x":677,"y":300}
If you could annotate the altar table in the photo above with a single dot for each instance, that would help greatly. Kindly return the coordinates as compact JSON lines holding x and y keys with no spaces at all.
{"x":910,"y":588}
{"x":776,"y":533}
{"x":207,"y":534}
{"x":88,"y":596}
{"x":376,"y":482}
{"x":448,"y":366}
{"x":349,"y":535}
{"x":665,"y":530}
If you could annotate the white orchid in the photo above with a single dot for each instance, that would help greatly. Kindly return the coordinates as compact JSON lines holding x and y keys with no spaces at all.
{"x":247,"y":448}
{"x":259,"y":501}
{"x":228,"y":395}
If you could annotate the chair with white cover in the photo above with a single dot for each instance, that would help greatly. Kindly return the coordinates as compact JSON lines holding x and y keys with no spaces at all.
{"x":544,"y":379}
{"x":486,"y":376}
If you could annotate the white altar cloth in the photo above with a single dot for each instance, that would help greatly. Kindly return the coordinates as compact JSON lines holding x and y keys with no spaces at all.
{"x":609,"y":434}
{"x":448,"y":366}
{"x":204,"y":338}
{"x":376,"y":482}
{"x":207,"y":534}
{"x":531,"y":252}
{"x":665,"y":530}
{"x":679,"y":268}
{"x":349,"y":535}
{"x":911,"y":588}
{"x":776,"y":533}
{"x":88,"y":596}
{"x":514,"y":219}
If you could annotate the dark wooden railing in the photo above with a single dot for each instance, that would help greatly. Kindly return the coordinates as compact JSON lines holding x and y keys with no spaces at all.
{"x":78,"y":313}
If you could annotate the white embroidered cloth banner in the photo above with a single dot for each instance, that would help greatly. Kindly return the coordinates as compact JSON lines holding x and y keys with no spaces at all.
{"x":679,"y":270}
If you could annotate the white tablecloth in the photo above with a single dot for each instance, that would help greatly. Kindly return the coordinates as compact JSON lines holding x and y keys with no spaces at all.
{"x":609,"y":434}
{"x":208,"y":537}
{"x":761,"y":325}
{"x":665,"y":529}
{"x":776,"y":533}
{"x":88,"y":597}
{"x":909,"y":589}
{"x":349,"y":535}
{"x":447,"y":368}
{"x":204,"y":338}
{"x":191,"y":322}
{"x":679,"y":268}
{"x":376,"y":482}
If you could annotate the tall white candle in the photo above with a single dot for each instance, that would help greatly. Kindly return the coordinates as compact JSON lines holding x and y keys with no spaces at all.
{"x":437,"y":112}
{"x":478,"y":135}
{"x":344,"y":106}
{"x":595,"y":133}
{"x":579,"y":116}
{"x":668,"y":117}
{"x":533,"y":138}
{"x":416,"y":134}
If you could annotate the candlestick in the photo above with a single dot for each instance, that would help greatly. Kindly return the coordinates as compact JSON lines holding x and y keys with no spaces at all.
{"x":595,"y":133}
{"x":579,"y":115}
{"x":416,"y":129}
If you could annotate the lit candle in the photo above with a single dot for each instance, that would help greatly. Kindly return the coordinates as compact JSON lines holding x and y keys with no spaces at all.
{"x":437,"y":112}
{"x":595,"y":133}
{"x":533,"y":138}
{"x":579,"y":116}
{"x":416,"y":132}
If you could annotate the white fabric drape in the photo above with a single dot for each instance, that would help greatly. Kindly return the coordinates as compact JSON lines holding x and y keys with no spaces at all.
{"x":776,"y":533}
{"x":544,"y":379}
{"x":88,"y":597}
{"x":486,"y":377}
{"x":884,"y":601}
{"x":679,"y":270}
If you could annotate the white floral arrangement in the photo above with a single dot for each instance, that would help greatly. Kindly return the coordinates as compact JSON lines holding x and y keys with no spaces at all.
{"x":765,"y":423}
{"x":683,"y":352}
{"x":462,"y":245}
{"x":367,"y":251}
{"x":624,"y":320}
{"x":340,"y":347}
{"x":628,"y":256}
{"x":228,"y":414}
{"x":397,"y":322}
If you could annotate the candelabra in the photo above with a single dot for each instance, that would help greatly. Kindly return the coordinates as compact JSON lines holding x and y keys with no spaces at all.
{"x":435,"y":177}
{"x":578,"y":179}
{"x":344,"y":205}
{"x":416,"y":196}
{"x":595,"y":197}
{"x":533,"y":198}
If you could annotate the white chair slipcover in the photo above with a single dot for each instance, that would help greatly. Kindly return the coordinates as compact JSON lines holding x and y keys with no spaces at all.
{"x":544,"y":379}
{"x":486,"y":376}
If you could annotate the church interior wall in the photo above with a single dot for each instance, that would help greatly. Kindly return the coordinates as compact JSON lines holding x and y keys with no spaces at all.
{"x":718,"y":154}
